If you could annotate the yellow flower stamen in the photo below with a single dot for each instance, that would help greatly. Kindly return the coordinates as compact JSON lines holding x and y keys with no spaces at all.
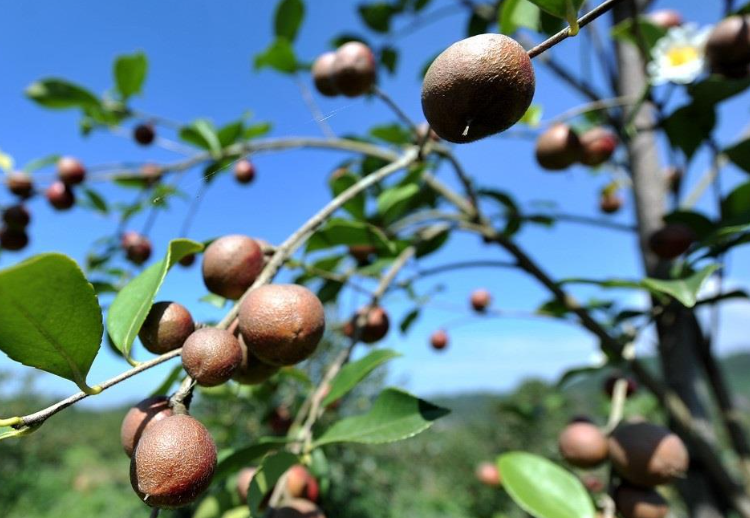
{"x":678,"y":56}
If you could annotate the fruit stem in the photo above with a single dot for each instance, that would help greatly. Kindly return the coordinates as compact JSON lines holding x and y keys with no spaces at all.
{"x":572,"y":16}
{"x":11,"y":421}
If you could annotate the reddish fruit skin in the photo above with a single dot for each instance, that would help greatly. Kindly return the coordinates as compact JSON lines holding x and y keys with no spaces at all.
{"x":647,"y":455}
{"x":211,"y":356}
{"x":187,"y":260}
{"x":480,"y":300}
{"x":167,"y":326}
{"x":140,"y":418}
{"x":231,"y":264}
{"x":671,"y":241}
{"x":297,"y":479}
{"x":610,"y":203}
{"x":244,"y":171}
{"x":439,"y":340}
{"x":728,"y":46}
{"x":666,"y":18}
{"x":173,"y":463}
{"x":243,"y":482}
{"x":13,"y":240}
{"x":20,"y":184}
{"x":488,"y":474}
{"x":60,"y":196}
{"x":323,"y":74}
{"x":375,"y":327}
{"x":151,"y":173}
{"x":312,"y":491}
{"x":583,"y":445}
{"x":251,"y":370}
{"x":598,"y":145}
{"x":354,"y":69}
{"x":558,"y":148}
{"x":633,"y":502}
{"x":362,"y":253}
{"x":282,"y":324}
{"x":298,"y":508}
{"x":609,"y":385}
{"x":137,"y":247}
{"x":70,"y":171}
{"x":144,"y":134}
{"x":593,"y":483}
{"x":16,"y":217}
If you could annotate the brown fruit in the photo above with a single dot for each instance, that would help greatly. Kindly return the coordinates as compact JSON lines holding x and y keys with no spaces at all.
{"x":70,"y":171}
{"x":598,"y":144}
{"x":666,"y":18}
{"x":282,"y":323}
{"x":477,"y":87}
{"x":211,"y":356}
{"x":60,"y":196}
{"x":609,"y":385}
{"x":144,"y":134}
{"x":728,"y":45}
{"x":167,"y":326}
{"x":671,"y":241}
{"x":362,"y":253}
{"x":20,"y":184}
{"x":173,"y":463}
{"x":609,"y":203}
{"x":251,"y":370}
{"x":647,"y":455}
{"x":375,"y":327}
{"x":488,"y":474}
{"x":244,"y":171}
{"x":558,"y":148}
{"x":151,"y":173}
{"x":354,"y":69}
{"x":280,"y":420}
{"x":297,"y":478}
{"x":480,"y":300}
{"x":583,"y":445}
{"x":439,"y":340}
{"x":231,"y":264}
{"x":323,"y":74}
{"x":298,"y":508}
{"x":16,"y":217}
{"x":13,"y":240}
{"x":674,"y":177}
{"x":140,"y":418}
{"x":187,"y":260}
{"x":137,"y":247}
{"x":243,"y":482}
{"x":633,"y":502}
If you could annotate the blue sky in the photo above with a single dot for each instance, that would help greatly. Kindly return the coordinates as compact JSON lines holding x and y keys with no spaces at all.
{"x":200,"y":55}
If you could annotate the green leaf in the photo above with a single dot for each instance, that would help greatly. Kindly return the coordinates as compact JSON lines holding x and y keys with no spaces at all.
{"x":518,"y":13}
{"x":544,"y":489}
{"x":393,"y":202}
{"x":41,"y":163}
{"x":647,"y":32}
{"x":737,"y":202}
{"x":352,"y":373}
{"x":202,"y":133}
{"x":344,"y":232}
{"x":279,"y":56}
{"x":355,"y":206}
{"x":230,"y":133}
{"x":689,"y":126}
{"x":558,"y":8}
{"x":95,"y":200}
{"x":288,"y":19}
{"x":60,"y":94}
{"x":131,"y":306}
{"x":392,"y":133}
{"x":477,"y":25}
{"x":433,"y":244}
{"x":533,"y":116}
{"x":715,"y":89}
{"x":130,"y":73}
{"x":231,"y":461}
{"x":257,"y":130}
{"x":685,"y":290}
{"x":699,"y":223}
{"x":50,"y":318}
{"x":377,"y":16}
{"x":395,"y":415}
{"x":329,"y":291}
{"x":216,"y":301}
{"x":408,"y":320}
{"x":389,"y":59}
{"x":171,"y":379}
{"x":269,"y":472}
{"x":739,"y":154}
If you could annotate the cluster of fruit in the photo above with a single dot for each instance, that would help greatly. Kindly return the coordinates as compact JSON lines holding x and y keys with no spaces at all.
{"x":351,"y":70}
{"x":301,"y":488}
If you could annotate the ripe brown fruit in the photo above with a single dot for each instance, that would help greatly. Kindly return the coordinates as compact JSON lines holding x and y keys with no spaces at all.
{"x":583,"y":445}
{"x":362,"y":253}
{"x":665,"y":18}
{"x":243,"y":482}
{"x":144,"y":134}
{"x":13,"y":240}
{"x":609,"y":203}
{"x":137,"y":247}
{"x":439,"y":340}
{"x":477,"y":87}
{"x":231,"y":264}
{"x":244,"y":171}
{"x":187,"y":260}
{"x":16,"y":217}
{"x":647,"y":455}
{"x":558,"y":148}
{"x":633,"y":502}
{"x":297,"y":480}
{"x":374,"y":328}
{"x":211,"y":356}
{"x":251,"y":370}
{"x":598,"y":144}
{"x":298,"y":508}
{"x":282,"y":323}
{"x":480,"y":300}
{"x":354,"y":69}
{"x":728,"y":46}
{"x":60,"y":196}
{"x":323,"y":74}
{"x":173,"y":463}
{"x":151,"y":173}
{"x":20,"y":184}
{"x":140,"y":418}
{"x":70,"y":171}
{"x":488,"y":474}
{"x":167,"y":326}
{"x":671,"y":241}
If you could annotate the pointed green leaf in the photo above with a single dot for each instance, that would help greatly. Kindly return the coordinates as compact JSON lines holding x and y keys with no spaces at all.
{"x":352,"y":373}
{"x":344,"y":232}
{"x":40,"y":163}
{"x":130,"y":73}
{"x":684,"y":290}
{"x":739,"y":154}
{"x":269,"y":472}
{"x":518,"y":13}
{"x":355,"y":206}
{"x":231,"y":461}
{"x":60,"y":94}
{"x":288,"y":19}
{"x":279,"y":56}
{"x":202,"y":133}
{"x":558,"y":8}
{"x":393,"y":202}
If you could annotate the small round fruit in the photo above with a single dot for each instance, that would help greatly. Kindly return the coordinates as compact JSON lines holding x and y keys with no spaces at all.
{"x":298,"y":508}
{"x":671,"y":241}
{"x":13,"y":240}
{"x":488,"y":474}
{"x":375,"y":327}
{"x":609,"y":385}
{"x":728,"y":45}
{"x":282,"y":324}
{"x":323,"y":74}
{"x":231,"y":264}
{"x":140,"y":418}
{"x":633,"y":502}
{"x":583,"y":445}
{"x":144,"y":134}
{"x":151,"y":173}
{"x":167,"y":326}
{"x":666,"y":18}
{"x":354,"y":69}
{"x":251,"y":370}
{"x":647,"y":455}
{"x":244,"y":171}
{"x":70,"y":171}
{"x":20,"y":184}
{"x":173,"y":463}
{"x":297,"y":478}
{"x":609,"y":203}
{"x":439,"y":340}
{"x":477,"y":87}
{"x":598,"y":144}
{"x":558,"y":148}
{"x":243,"y":482}
{"x":60,"y":196}
{"x":137,"y":247}
{"x":480,"y":300}
{"x":211,"y":356}
{"x":16,"y":217}
{"x":187,"y":260}
{"x":280,"y":420}
{"x":362,"y":253}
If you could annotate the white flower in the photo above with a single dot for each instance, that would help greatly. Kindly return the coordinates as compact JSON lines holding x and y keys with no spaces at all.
{"x":679,"y":57}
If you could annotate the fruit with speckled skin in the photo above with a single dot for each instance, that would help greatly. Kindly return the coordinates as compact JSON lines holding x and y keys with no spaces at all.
{"x":140,"y":418}
{"x":144,"y":134}
{"x":477,"y":87}
{"x":282,"y":324}
{"x":243,"y":482}
{"x":488,"y":474}
{"x":298,"y":508}
{"x":633,"y":502}
{"x":70,"y":171}
{"x":323,"y":74}
{"x":137,"y":247}
{"x":583,"y":445}
{"x":173,"y":463}
{"x":728,"y":47}
{"x":558,"y":148}
{"x":244,"y":171}
{"x":20,"y":184}
{"x":439,"y":340}
{"x":60,"y":196}
{"x":480,"y":300}
{"x":354,"y":69}
{"x":231,"y":265}
{"x":167,"y":326}
{"x":671,"y":241}
{"x":251,"y":370}
{"x":598,"y":144}
{"x":13,"y":240}
{"x":211,"y":356}
{"x":374,"y":328}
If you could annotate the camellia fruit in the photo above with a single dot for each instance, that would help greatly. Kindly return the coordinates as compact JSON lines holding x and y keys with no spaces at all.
{"x":583,"y":445}
{"x":558,"y":148}
{"x":211,"y":356}
{"x":140,"y":418}
{"x":374,"y":327}
{"x":167,"y":326}
{"x":231,"y":264}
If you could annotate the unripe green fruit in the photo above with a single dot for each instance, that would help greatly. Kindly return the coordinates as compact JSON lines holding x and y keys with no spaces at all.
{"x":671,"y":241}
{"x":323,"y":74}
{"x":70,"y":171}
{"x":144,"y":134}
{"x":173,"y":463}
{"x":211,"y":356}
{"x":477,"y":87}
{"x":282,"y":323}
{"x":480,"y":300}
{"x":298,"y":508}
{"x":251,"y":370}
{"x":231,"y":265}
{"x":140,"y":418}
{"x":20,"y":184}
{"x":374,"y":328}
{"x":633,"y":502}
{"x":60,"y":196}
{"x":167,"y":326}
{"x":583,"y":445}
{"x":558,"y":148}
{"x":354,"y":69}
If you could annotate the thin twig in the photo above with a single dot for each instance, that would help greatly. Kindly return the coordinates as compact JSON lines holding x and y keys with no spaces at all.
{"x":401,"y":114}
{"x":597,"y":105}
